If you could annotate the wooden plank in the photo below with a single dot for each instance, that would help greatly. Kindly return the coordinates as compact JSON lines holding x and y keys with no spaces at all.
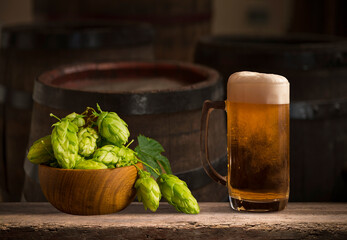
{"x":215,"y":221}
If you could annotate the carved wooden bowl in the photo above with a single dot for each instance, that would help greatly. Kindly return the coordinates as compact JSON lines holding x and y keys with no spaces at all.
{"x":89,"y":192}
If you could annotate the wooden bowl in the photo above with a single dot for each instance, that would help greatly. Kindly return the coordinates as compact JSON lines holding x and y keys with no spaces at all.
{"x":89,"y":192}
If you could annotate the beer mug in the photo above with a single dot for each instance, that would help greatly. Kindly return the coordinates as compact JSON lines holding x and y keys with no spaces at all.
{"x":257,"y":108}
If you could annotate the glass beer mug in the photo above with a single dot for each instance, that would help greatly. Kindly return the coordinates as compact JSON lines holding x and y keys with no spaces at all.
{"x":257,"y":109}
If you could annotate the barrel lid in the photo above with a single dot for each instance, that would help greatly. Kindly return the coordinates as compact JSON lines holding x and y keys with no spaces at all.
{"x":76,"y":86}
{"x":67,"y":35}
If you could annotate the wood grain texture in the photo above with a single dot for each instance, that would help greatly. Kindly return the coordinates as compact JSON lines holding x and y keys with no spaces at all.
{"x":215,"y":221}
{"x":89,"y":192}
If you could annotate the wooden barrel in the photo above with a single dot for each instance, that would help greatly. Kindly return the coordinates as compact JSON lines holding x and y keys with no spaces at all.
{"x":28,"y":50}
{"x":316,"y":68}
{"x":161,"y":100}
{"x":178,"y":24}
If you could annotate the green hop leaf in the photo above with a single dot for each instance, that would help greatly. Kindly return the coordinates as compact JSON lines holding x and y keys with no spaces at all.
{"x":114,"y":155}
{"x":87,"y":138}
{"x":176,"y":192}
{"x":65,"y":143}
{"x":41,"y":152}
{"x":112,"y":127}
{"x":90,"y":164}
{"x":147,"y":190}
{"x":150,"y":151}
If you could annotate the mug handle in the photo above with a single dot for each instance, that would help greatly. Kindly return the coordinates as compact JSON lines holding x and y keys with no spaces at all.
{"x":207,"y":108}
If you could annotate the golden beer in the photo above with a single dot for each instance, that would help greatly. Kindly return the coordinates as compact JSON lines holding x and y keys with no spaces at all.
{"x":258,"y":141}
{"x":258,"y":154}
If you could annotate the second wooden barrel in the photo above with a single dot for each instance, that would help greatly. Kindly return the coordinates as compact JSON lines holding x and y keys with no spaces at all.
{"x":316,"y":67}
{"x":30,"y":49}
{"x":178,"y":24}
{"x":161,"y":100}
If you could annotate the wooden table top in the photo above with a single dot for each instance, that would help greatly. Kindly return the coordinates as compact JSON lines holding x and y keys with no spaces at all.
{"x":216,"y":221}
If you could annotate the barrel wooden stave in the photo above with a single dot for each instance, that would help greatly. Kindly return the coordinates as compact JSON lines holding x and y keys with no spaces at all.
{"x":317,"y":160}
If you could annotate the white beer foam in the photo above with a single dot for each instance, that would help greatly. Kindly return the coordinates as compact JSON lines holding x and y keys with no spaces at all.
{"x":254,"y":87}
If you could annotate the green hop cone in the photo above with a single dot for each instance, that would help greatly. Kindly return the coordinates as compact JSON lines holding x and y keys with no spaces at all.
{"x":41,"y":151}
{"x":112,"y":127}
{"x":127,"y":157}
{"x":76,"y":119}
{"x":105,"y":155}
{"x":147,"y":190}
{"x":114,"y":155}
{"x":65,"y":143}
{"x":177,"y":193}
{"x":87,"y":138}
{"x":90,"y":164}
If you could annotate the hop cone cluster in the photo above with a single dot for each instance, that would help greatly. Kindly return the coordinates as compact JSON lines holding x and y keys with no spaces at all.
{"x":74,"y":143}
{"x":116,"y":156}
{"x":113,"y":128}
{"x":41,"y":151}
{"x":87,"y":138}
{"x":176,"y":192}
{"x":65,"y":143}
{"x":147,"y":191}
